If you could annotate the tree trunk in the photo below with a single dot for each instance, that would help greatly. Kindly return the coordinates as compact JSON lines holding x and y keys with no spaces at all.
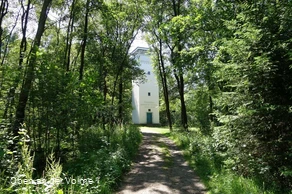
{"x":120,"y":113}
{"x":211,"y":109}
{"x":183,"y":104}
{"x":69,"y":37}
{"x":180,"y":84}
{"x":3,"y":12}
{"x":22,"y":51}
{"x":29,"y":77}
{"x":176,"y":59}
{"x":120,"y":68}
{"x":84,"y":41}
{"x":163,"y":78}
{"x":24,"y":21}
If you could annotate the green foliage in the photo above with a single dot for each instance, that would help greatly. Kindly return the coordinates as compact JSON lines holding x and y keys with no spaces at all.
{"x":17,"y":169}
{"x":23,"y":181}
{"x":7,"y":167}
{"x":230,"y":59}
{"x":250,"y":128}
{"x":236,"y":63}
{"x":229,"y":183}
{"x":199,"y":109}
{"x":97,"y":169}
{"x":104,"y":160}
{"x":213,"y":166}
{"x":59,"y":109}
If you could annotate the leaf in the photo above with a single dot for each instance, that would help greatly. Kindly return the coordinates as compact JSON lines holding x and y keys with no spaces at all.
{"x":2,"y":153}
{"x":60,"y":191}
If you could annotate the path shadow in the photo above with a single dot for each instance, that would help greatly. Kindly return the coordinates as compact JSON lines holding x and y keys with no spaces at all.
{"x":150,"y":174}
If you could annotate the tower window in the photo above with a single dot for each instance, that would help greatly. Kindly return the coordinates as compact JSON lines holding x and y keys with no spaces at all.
{"x":148,"y":72}
{"x":149,"y":94}
{"x":149,"y":110}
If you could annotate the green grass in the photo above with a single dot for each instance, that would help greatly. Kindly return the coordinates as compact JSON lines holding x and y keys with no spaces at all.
{"x":209,"y":166}
{"x":228,"y":182}
{"x":167,"y":157}
{"x":160,"y":130}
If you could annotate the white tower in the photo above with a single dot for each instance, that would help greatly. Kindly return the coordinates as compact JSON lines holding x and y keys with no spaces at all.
{"x":145,"y":96}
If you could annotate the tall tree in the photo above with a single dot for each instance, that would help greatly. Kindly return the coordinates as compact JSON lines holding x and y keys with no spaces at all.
{"x":69,"y":36}
{"x":155,"y":18}
{"x":22,"y":53}
{"x":84,"y":40}
{"x":163,"y":77}
{"x":121,"y":22}
{"x":29,"y":77}
{"x":176,"y":47}
{"x":3,"y":13}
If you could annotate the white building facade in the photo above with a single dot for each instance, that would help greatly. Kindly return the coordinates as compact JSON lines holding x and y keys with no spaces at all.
{"x":145,"y":95}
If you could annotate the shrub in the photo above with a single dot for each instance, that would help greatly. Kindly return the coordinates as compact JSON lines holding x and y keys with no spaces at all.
{"x":106,"y":160}
{"x":97,"y":169}
{"x":214,"y":165}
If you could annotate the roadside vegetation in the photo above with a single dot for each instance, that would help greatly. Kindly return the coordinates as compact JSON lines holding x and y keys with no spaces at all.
{"x":225,"y":68}
{"x":216,"y":168}
{"x":65,"y":85}
{"x":96,"y":166}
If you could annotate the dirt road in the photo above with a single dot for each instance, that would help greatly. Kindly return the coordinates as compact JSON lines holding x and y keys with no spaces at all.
{"x":160,"y":169}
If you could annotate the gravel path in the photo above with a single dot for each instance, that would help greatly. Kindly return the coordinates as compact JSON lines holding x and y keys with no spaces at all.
{"x":160,"y":169}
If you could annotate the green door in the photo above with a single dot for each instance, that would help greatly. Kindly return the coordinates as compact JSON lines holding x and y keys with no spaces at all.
{"x":149,"y":117}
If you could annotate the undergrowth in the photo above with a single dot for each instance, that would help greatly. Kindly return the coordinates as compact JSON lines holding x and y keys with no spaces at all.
{"x":106,"y":160}
{"x":97,"y":167}
{"x":213,"y":167}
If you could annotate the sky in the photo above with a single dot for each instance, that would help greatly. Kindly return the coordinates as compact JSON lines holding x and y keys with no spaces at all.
{"x":139,"y":42}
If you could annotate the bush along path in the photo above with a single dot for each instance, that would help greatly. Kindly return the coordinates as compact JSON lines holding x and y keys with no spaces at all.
{"x":160,"y":168}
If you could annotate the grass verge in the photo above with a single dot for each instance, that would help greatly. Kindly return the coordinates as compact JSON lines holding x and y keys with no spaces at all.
{"x":160,"y":130}
{"x":210,"y":167}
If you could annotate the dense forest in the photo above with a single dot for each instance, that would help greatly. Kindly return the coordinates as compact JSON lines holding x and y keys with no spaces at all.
{"x":224,"y":68}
